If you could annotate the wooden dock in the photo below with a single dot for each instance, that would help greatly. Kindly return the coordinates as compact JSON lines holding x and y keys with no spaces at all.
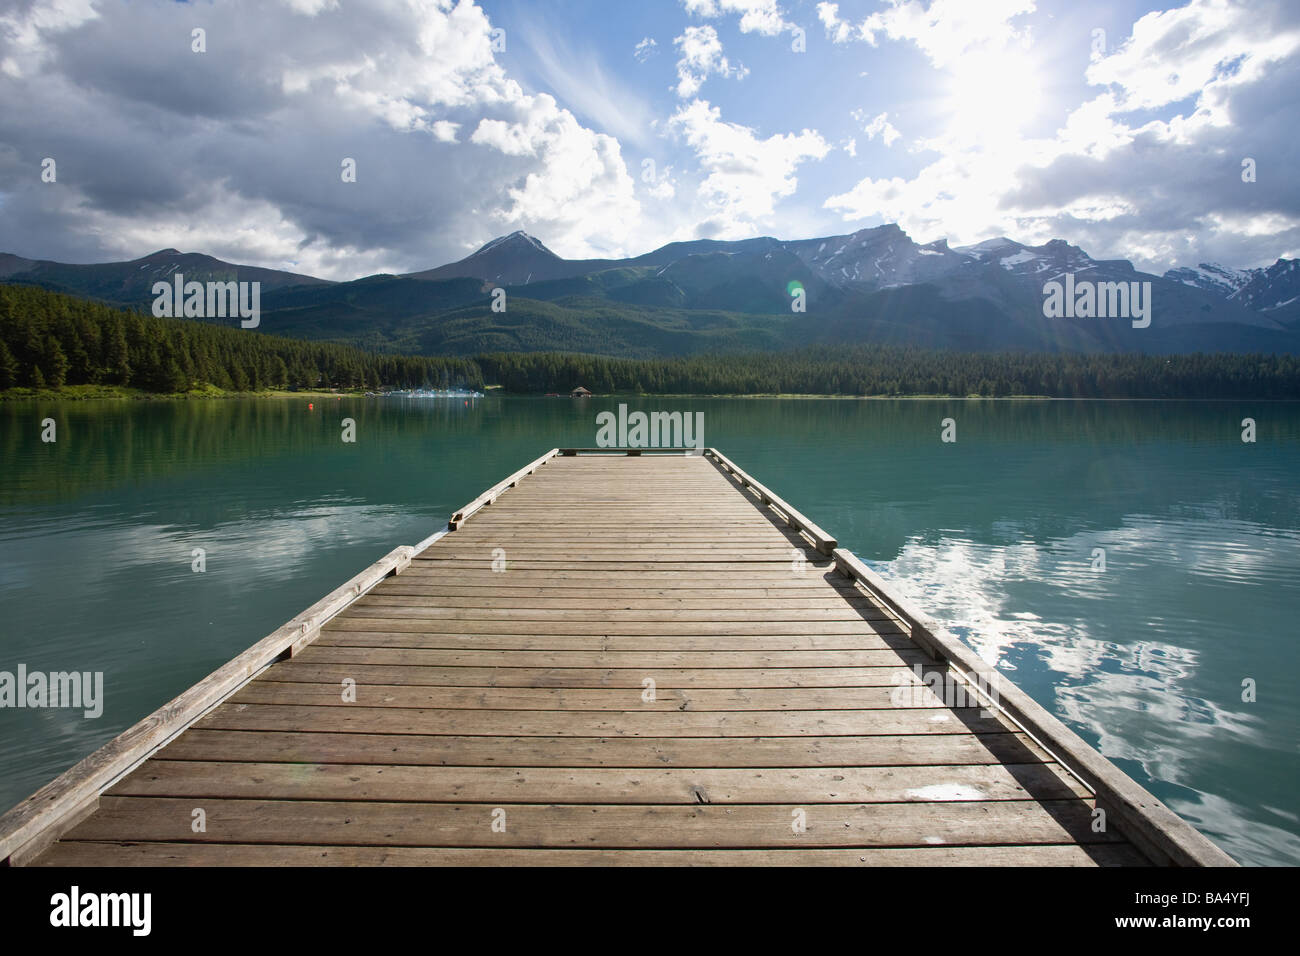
{"x":605,"y":659}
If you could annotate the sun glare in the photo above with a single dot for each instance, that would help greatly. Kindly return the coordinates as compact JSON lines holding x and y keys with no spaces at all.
{"x":992,"y":95}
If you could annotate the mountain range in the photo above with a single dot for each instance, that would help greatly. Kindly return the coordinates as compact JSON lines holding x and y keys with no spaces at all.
{"x":872,"y":286}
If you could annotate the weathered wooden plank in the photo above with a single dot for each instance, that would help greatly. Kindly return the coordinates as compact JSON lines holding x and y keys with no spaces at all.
{"x":90,"y":854}
{"x":346,"y":823}
{"x":595,"y":699}
{"x":857,"y":635}
{"x":499,"y":589}
{"x":611,"y":539}
{"x":615,"y":642}
{"x":517,"y":552}
{"x":501,"y":723}
{"x":655,"y":524}
{"x":648,"y":662}
{"x":300,"y":669}
{"x":615,"y":579}
{"x":393,"y":605}
{"x":461,"y":751}
{"x":783,"y":785}
{"x":668,"y":565}
{"x":665,"y":574}
{"x":411,"y":620}
{"x":491,"y":600}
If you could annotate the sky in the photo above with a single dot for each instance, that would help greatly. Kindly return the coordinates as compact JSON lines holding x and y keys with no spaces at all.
{"x":610,"y":128}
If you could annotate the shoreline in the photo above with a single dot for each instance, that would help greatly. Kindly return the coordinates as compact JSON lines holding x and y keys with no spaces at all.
{"x":116,"y":393}
{"x":84,"y":393}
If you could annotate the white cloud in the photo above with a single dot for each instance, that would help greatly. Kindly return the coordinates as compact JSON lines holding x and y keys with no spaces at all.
{"x":756,"y":16}
{"x":582,"y":187}
{"x":701,"y":57}
{"x":311,"y":8}
{"x":445,"y":130}
{"x":839,"y":31}
{"x":1253,"y":224}
{"x":644,"y":49}
{"x":746,"y":174}
{"x":948,"y":30}
{"x":513,"y":139}
{"x":664,"y":186}
{"x":443,"y":58}
{"x":1152,"y":190}
{"x":236,"y":229}
{"x":26,"y":31}
{"x":880,"y":126}
{"x":1212,"y":45}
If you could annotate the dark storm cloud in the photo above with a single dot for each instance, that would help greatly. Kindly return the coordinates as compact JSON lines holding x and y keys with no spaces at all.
{"x":238,"y":149}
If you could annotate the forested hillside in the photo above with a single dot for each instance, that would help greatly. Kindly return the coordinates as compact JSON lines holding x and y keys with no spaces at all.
{"x":890,"y":370}
{"x":48,"y":340}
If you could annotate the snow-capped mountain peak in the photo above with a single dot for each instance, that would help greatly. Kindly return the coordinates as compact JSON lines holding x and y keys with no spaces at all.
{"x":516,"y":242}
{"x":1211,"y":277}
{"x":1274,"y":289}
{"x":991,"y":248}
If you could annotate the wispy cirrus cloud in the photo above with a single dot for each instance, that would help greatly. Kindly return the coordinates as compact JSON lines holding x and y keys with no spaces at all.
{"x":580,"y":81}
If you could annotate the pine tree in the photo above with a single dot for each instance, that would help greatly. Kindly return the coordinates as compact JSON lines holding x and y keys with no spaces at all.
{"x":8,"y":367}
{"x":55,"y":363}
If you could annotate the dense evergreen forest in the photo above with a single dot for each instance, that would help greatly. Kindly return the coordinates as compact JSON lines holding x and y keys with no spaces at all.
{"x":893,"y":370}
{"x":48,"y":340}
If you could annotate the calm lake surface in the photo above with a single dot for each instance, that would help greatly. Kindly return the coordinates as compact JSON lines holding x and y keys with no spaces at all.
{"x":994,"y":535}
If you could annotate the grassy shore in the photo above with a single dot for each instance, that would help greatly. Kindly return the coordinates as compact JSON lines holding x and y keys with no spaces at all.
{"x":852,"y":398}
{"x":84,"y":393}
{"x":81,"y":393}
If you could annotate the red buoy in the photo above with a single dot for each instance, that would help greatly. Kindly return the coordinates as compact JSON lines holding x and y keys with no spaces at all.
{"x":310,"y":406}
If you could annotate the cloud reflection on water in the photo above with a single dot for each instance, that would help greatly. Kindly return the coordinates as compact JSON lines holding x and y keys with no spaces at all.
{"x":1135,"y":685}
